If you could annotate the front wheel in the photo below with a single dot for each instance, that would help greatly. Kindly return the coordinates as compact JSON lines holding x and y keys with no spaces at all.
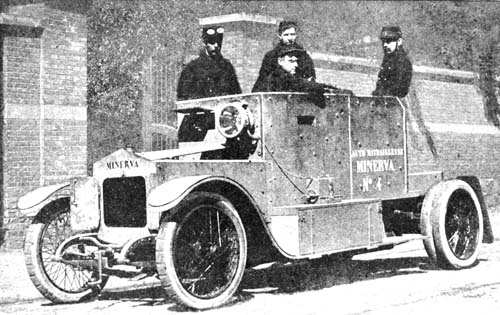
{"x":57,"y":280}
{"x":453,"y":222}
{"x":201,"y":256}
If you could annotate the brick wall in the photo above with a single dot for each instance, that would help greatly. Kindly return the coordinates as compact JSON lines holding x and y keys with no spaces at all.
{"x":21,"y":48}
{"x":21,"y":72}
{"x":64,"y":95}
{"x":44,"y":99}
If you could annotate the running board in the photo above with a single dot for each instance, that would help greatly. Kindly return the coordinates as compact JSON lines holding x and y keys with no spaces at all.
{"x":387,"y":243}
{"x":397,"y":240}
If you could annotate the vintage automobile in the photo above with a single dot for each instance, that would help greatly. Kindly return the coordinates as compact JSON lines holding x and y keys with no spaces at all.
{"x":256,"y":178}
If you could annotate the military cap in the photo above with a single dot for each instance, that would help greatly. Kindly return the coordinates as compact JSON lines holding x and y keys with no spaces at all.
{"x":284,"y":25}
{"x":391,"y":32}
{"x":213,"y":34}
{"x":290,"y":50}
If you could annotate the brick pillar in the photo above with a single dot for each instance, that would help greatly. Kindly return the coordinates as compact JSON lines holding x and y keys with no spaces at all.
{"x":21,"y":51}
{"x":246,"y":39}
{"x":44,"y":101}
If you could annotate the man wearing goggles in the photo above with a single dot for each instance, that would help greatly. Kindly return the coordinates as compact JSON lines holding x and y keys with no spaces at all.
{"x":210,"y":74}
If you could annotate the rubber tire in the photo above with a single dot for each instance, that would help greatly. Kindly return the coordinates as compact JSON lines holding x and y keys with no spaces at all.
{"x":433,"y":218}
{"x":428,"y":205}
{"x":35,"y":265}
{"x":165,"y":251}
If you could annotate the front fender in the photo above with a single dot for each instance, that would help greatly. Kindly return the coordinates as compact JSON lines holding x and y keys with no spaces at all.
{"x":31,"y":203}
{"x":168,"y":195}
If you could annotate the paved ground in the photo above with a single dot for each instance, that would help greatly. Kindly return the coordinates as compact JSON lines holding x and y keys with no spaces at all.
{"x":16,"y":287}
{"x":14,"y":278}
{"x":398,"y":281}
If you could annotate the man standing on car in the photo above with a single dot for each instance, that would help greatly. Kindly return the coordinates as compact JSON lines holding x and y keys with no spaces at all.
{"x":395,"y":72}
{"x":210,"y":74}
{"x":287,"y":33}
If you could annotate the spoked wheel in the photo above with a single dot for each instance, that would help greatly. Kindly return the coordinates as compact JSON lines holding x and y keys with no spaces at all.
{"x":201,"y":257}
{"x":56,"y":280}
{"x":452,"y":216}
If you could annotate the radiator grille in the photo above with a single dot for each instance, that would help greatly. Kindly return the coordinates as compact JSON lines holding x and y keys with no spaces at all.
{"x":124,"y":201}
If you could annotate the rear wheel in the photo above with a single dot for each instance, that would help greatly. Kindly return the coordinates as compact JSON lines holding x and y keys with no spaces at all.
{"x":453,"y":224}
{"x":56,"y":280}
{"x":201,"y":256}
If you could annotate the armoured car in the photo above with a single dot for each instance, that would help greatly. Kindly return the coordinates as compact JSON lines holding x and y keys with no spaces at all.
{"x":255,"y":178}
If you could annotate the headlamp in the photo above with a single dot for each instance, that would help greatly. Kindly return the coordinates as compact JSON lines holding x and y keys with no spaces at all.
{"x":231,"y":119}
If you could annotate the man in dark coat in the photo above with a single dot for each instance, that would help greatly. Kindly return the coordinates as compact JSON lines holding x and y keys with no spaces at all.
{"x":287,"y":33}
{"x":210,"y":74}
{"x":285,"y":78}
{"x":395,"y":72}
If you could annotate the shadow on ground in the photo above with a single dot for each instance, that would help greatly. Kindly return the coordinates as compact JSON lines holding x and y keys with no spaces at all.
{"x":283,"y":278}
{"x":328,"y":272}
{"x":152,"y":295}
